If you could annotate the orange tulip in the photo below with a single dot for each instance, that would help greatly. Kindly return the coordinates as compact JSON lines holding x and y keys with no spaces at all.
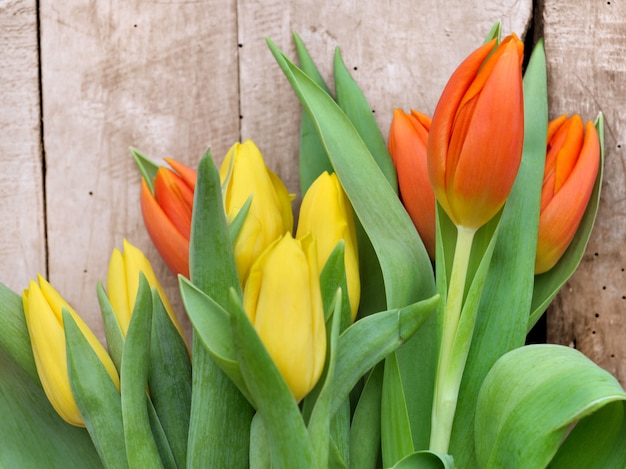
{"x":476,"y":136}
{"x":408,"y":139}
{"x":572,"y":162}
{"x":167,"y":213}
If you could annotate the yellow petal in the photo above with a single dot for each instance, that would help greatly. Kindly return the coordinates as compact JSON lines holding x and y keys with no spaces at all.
{"x":48,"y":343}
{"x":135,"y":262}
{"x":117,"y":290}
{"x":288,"y":315}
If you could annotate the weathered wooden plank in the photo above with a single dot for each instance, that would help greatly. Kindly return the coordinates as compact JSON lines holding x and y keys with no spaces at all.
{"x":401,"y":53}
{"x":22,"y":244}
{"x":160,"y":76}
{"x":585,"y":44}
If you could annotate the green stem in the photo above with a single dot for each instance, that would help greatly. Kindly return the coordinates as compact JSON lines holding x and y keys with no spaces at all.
{"x":449,"y":373}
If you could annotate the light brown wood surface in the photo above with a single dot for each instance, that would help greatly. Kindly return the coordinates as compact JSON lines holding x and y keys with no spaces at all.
{"x":172,"y":78}
{"x":586,"y":48}
{"x":23,"y":242}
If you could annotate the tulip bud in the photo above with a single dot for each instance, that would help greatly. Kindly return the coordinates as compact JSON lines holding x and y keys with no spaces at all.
{"x":167,"y":214}
{"x":243,"y":173}
{"x":477,"y":132}
{"x":572,"y":162}
{"x":123,"y":284}
{"x":408,"y":139}
{"x":283,"y":300}
{"x":327,"y":215}
{"x":43,"y":310}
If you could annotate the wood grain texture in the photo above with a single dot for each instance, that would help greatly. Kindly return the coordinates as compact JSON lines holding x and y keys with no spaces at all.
{"x":159,"y":76}
{"x":22,"y":245}
{"x":400,"y":53}
{"x":585,"y":45}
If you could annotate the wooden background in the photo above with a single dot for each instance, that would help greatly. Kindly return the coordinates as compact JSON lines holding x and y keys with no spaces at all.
{"x":82,"y":81}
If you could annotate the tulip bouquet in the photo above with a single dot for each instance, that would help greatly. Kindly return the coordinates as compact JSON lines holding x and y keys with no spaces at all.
{"x":386,"y":330}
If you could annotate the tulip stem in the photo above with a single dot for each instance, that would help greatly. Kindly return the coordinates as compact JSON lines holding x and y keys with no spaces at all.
{"x":450,"y":364}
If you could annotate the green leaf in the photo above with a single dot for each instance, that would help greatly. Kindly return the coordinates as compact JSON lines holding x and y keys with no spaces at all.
{"x":548,"y":284}
{"x":503,"y":311}
{"x":14,"y":338}
{"x":400,"y":251}
{"x":366,"y":423}
{"x":312,"y":156}
{"x":112,"y":331}
{"x":495,"y":32}
{"x":211,"y":324}
{"x":319,"y":423}
{"x":289,"y":441}
{"x":141,"y":448}
{"x":160,"y":438}
{"x":259,"y":446}
{"x":96,"y":396}
{"x":596,"y":441}
{"x":332,"y":277}
{"x":369,"y":340}
{"x":33,"y":434}
{"x":530,"y":399}
{"x":170,"y":379}
{"x":396,"y":439}
{"x":354,"y":104}
{"x":220,"y":415}
{"x":147,"y":167}
{"x":235,"y":226}
{"x":426,"y":460}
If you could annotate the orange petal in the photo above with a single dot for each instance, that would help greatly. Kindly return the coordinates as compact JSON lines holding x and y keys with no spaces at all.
{"x":491,"y":149}
{"x":443,"y":122}
{"x":189,"y":175}
{"x":559,"y":221}
{"x":175,"y":198}
{"x":171,"y":244}
{"x":407,"y":144}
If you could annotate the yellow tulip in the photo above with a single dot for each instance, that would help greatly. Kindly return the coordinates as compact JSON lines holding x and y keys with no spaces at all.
{"x":326,"y":214}
{"x":123,"y":283}
{"x":43,"y":308}
{"x":244,"y":173}
{"x":283,"y":300}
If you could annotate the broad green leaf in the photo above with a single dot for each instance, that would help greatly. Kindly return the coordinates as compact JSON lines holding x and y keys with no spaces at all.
{"x":289,"y":441}
{"x":147,"y":167}
{"x":426,"y":460}
{"x":501,"y":322}
{"x":312,"y":157}
{"x":220,"y":415}
{"x":259,"y":447}
{"x":33,"y":434}
{"x":141,"y":448}
{"x":319,"y":423}
{"x":354,"y":104}
{"x":211,"y":324}
{"x":548,"y":284}
{"x":531,"y":398}
{"x":366,"y":423}
{"x":596,"y":441}
{"x":96,"y":396}
{"x":14,"y":338}
{"x":396,"y":439}
{"x":369,"y":340}
{"x":400,"y":251}
{"x":170,"y":379}
{"x":112,"y":331}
